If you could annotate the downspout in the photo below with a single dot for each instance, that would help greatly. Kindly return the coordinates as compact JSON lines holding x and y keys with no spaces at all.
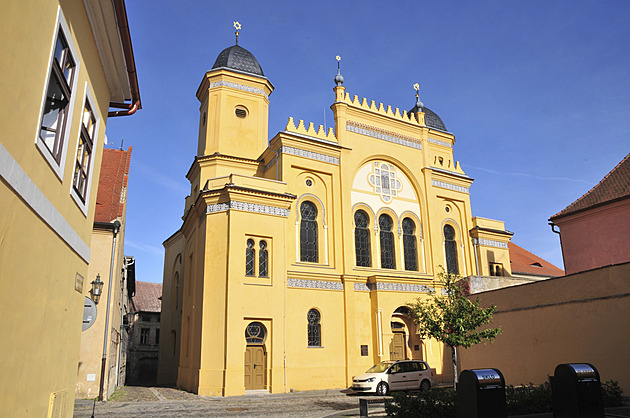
{"x":125,"y":39}
{"x":116,"y":225}
{"x":475,"y":244}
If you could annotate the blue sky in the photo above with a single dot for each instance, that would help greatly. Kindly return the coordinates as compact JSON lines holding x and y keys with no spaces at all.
{"x":537,"y":94}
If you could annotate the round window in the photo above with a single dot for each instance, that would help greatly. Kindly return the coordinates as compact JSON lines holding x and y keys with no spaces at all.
{"x":240,"y":112}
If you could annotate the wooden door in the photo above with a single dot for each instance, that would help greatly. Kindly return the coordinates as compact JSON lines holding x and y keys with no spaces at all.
{"x":397,"y":351}
{"x":255,"y":367}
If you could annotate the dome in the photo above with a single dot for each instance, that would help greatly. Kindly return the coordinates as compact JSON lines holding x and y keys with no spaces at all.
{"x":431,"y":119}
{"x":239,"y":59}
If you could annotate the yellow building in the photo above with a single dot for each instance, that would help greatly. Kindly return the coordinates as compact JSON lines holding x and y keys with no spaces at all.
{"x":297,"y":255}
{"x":110,"y":264}
{"x":64,"y":64}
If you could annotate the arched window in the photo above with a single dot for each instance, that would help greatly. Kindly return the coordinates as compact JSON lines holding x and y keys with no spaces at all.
{"x":409,"y":244}
{"x":176,"y":290}
{"x":308,"y":232}
{"x":314,"y":329}
{"x":262,"y":259}
{"x":250,"y":256}
{"x":362,"y":239}
{"x":255,"y":333}
{"x":450,"y":249}
{"x":388,"y":255}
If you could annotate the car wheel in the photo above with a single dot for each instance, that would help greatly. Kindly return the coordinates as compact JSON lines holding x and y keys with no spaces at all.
{"x":425,"y":385}
{"x":382,"y":389}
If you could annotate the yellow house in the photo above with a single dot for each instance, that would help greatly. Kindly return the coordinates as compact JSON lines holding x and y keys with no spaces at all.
{"x":297,"y":255}
{"x":110,"y":264}
{"x":64,"y":64}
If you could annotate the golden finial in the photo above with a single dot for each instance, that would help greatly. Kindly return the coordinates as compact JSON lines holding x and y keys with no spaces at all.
{"x":416,"y":87}
{"x":338,"y":58}
{"x":237,"y":26}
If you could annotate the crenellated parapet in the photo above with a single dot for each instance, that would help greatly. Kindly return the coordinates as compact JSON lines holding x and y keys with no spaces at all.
{"x":301,"y":129}
{"x":380,"y":109}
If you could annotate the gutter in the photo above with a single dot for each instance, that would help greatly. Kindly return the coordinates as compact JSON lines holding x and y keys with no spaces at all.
{"x":125,"y":40}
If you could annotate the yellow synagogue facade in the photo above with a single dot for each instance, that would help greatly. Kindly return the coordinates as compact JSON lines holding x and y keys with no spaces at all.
{"x":297,"y":255}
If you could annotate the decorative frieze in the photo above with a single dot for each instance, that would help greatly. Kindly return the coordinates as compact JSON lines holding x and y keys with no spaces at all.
{"x":396,"y":287}
{"x":247,"y":207}
{"x":238,"y":87}
{"x":361,"y":287}
{"x":309,"y":154}
{"x":314,"y":284}
{"x":378,"y":133}
{"x":445,"y":185}
{"x":438,"y":142}
{"x":492,"y":243}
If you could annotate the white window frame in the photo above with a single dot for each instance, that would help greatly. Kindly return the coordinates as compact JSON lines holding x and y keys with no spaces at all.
{"x":59,"y":168}
{"x":87,"y":97}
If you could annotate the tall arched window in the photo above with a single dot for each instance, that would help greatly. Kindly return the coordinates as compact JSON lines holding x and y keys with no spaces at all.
{"x":362,"y":239}
{"x":176,"y":290}
{"x":262,"y":259}
{"x":388,"y":255}
{"x":308,"y":232}
{"x":314,"y":329}
{"x":250,"y":256}
{"x":409,"y":244}
{"x":450,"y":249}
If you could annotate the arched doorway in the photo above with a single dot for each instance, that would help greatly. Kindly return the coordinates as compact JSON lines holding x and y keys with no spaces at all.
{"x":405,"y":343}
{"x":255,"y":356}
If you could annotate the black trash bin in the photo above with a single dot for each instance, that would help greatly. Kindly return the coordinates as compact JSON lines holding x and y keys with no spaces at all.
{"x":577,"y":392}
{"x":481,"y":394}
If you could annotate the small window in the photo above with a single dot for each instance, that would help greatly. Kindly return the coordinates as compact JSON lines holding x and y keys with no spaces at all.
{"x":314,"y":328}
{"x":240,"y":112}
{"x":262,"y":259}
{"x":144,"y":336}
{"x":496,"y":269}
{"x":157,"y":336}
{"x":308,"y":232}
{"x":84,"y":152}
{"x":250,"y":256}
{"x":255,"y":333}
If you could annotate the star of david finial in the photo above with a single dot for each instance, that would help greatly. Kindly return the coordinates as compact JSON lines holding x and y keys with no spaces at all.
{"x":338,"y":77}
{"x":416,"y":87}
{"x":237,"y":26}
{"x":338,"y":58}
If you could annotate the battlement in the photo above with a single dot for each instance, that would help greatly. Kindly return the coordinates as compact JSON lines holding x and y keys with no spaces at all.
{"x":310,"y":131}
{"x":396,"y":113}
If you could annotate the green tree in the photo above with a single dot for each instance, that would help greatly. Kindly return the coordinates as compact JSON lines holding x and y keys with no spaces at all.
{"x":453,"y":318}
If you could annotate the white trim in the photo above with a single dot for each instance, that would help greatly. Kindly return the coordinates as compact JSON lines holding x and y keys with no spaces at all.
{"x":492,"y":243}
{"x":449,"y":186}
{"x":87,"y":97}
{"x":59,"y":168}
{"x":24,"y":187}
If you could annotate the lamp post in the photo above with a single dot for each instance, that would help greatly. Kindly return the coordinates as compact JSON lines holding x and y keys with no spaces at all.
{"x":97,"y":289}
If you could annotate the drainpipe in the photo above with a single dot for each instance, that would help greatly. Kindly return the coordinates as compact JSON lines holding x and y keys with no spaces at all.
{"x":475,"y":244}
{"x":116,"y":226}
{"x":125,"y":40}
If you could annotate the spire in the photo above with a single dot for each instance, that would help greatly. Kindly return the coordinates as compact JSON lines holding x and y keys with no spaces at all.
{"x":419,"y":104}
{"x":237,"y":26}
{"x":338,"y":77}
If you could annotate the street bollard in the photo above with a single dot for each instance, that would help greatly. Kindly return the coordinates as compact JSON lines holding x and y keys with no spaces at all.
{"x":481,"y":394}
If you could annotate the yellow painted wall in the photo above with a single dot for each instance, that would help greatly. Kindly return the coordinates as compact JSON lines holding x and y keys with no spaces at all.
{"x":40,"y":309}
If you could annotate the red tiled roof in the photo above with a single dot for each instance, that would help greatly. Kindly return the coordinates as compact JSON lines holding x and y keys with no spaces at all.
{"x":110,"y":200}
{"x":522,"y":261}
{"x":614,"y":186}
{"x":147,"y":297}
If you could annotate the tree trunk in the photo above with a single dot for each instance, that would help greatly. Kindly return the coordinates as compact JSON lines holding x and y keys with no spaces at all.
{"x":454,"y":355}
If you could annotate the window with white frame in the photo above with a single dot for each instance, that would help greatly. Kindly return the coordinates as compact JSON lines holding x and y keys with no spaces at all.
{"x":84,"y":152}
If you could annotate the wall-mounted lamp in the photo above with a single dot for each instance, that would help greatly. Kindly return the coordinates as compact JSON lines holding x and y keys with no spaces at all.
{"x":97,"y":288}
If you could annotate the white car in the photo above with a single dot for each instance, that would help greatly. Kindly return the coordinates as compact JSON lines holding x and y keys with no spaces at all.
{"x":388,"y":376}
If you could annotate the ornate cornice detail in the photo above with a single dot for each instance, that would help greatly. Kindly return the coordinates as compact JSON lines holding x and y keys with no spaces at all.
{"x":238,"y":87}
{"x":309,"y":154}
{"x":378,"y":133}
{"x":314,"y":284}
{"x":492,"y":243}
{"x":396,"y":287}
{"x":247,"y":207}
{"x":449,"y":186}
{"x":438,"y":142}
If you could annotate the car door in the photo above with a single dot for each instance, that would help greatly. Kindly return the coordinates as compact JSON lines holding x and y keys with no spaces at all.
{"x":395,"y":377}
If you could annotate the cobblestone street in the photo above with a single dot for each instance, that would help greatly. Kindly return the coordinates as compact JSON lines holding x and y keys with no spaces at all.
{"x":133,"y":401}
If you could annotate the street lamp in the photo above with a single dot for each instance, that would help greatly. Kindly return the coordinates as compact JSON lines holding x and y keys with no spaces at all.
{"x":97,"y":288}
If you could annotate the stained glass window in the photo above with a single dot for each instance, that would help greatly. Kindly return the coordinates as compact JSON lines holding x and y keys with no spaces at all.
{"x":250,"y":255}
{"x":362,"y":239}
{"x":262,"y":259}
{"x":388,"y":255}
{"x":409,"y":244}
{"x":308,"y":232}
{"x":255,"y":333}
{"x":314,"y":329}
{"x":450,"y":249}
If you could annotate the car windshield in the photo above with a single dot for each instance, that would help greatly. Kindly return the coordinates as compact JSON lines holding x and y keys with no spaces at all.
{"x":380,"y":367}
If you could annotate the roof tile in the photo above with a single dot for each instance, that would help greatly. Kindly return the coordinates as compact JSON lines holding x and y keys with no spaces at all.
{"x":112,"y":185}
{"x":147,"y":297}
{"x":522,"y":261}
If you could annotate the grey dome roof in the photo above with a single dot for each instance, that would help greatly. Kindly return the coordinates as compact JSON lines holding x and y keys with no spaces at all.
{"x":431,"y":119}
{"x":239,"y":59}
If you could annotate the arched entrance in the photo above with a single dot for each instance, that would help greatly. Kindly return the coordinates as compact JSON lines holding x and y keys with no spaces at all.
{"x":405,"y":343}
{"x":255,"y":356}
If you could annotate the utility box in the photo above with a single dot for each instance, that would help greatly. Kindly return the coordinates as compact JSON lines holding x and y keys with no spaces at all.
{"x":481,"y":394}
{"x":577,"y":392}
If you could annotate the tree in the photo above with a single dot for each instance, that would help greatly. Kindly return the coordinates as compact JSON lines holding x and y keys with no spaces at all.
{"x":453,"y":318}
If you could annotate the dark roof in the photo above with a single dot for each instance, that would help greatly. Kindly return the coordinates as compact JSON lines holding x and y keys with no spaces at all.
{"x":614,"y":186}
{"x":147,"y":297}
{"x":110,"y":198}
{"x":522,"y":261}
{"x":431,"y":119}
{"x":239,"y":59}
